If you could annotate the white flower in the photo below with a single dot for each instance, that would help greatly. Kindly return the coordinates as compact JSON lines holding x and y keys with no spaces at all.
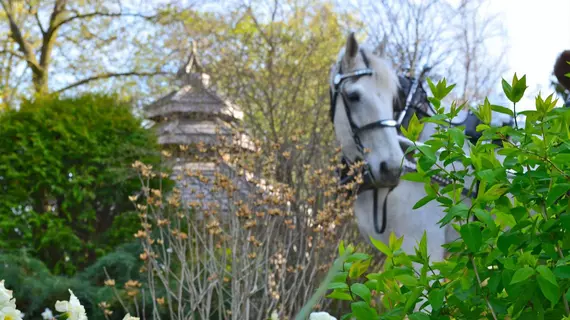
{"x":10,"y":313}
{"x":47,"y":314}
{"x":321,"y":316}
{"x":274,"y":315}
{"x":129,"y":317}
{"x":73,"y":308}
{"x":6,"y":296}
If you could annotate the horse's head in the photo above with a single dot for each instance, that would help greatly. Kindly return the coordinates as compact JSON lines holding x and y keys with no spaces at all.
{"x":363,"y":90}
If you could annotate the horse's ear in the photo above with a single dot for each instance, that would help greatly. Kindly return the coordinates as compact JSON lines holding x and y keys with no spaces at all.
{"x":380,"y":49}
{"x":351,"y":46}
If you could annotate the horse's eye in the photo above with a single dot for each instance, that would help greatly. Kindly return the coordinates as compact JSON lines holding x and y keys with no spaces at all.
{"x":353,"y":96}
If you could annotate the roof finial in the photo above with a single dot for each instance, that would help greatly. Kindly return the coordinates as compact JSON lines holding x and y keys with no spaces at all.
{"x":192,"y":62}
{"x":192,"y":72}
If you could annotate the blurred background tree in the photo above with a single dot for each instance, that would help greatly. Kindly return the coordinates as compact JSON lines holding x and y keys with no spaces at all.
{"x":82,"y":46}
{"x":463,"y":40}
{"x":65,"y":178}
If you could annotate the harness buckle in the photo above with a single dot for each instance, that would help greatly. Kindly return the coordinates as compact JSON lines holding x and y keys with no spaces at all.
{"x":337,"y":78}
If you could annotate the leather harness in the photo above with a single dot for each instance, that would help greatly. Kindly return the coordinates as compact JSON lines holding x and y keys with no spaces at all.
{"x":415,"y":102}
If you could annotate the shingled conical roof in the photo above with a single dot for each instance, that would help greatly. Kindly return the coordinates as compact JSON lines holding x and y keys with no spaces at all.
{"x":194,"y":113}
{"x":194,"y":96}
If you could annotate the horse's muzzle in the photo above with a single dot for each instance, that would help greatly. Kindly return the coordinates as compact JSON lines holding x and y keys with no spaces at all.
{"x":389,"y":177}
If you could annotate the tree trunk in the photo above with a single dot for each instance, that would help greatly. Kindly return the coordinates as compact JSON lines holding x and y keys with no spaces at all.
{"x":40,"y":81}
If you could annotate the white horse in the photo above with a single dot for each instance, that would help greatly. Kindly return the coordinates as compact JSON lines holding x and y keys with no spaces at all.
{"x":363,"y":90}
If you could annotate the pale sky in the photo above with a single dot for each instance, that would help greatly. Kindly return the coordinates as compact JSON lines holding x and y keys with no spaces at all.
{"x":538,"y":30}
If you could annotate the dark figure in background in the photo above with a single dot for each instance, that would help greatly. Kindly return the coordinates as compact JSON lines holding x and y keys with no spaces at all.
{"x":561,"y":68}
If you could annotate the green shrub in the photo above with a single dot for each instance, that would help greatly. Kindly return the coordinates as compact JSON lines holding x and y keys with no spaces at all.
{"x":65,"y":178}
{"x":512,"y":262}
{"x":36,"y":288}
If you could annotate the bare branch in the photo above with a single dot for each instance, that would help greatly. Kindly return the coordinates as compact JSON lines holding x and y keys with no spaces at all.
{"x":13,"y":53}
{"x":111,"y":75}
{"x":36,"y":16}
{"x":16,"y":34}
{"x":100,"y":14}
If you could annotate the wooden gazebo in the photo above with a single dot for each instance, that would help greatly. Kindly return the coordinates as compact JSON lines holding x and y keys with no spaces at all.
{"x":195,"y":117}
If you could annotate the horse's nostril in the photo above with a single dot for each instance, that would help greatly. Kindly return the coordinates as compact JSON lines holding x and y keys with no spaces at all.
{"x":384,"y":167}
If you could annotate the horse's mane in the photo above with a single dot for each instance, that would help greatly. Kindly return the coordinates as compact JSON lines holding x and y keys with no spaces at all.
{"x":561,"y":67}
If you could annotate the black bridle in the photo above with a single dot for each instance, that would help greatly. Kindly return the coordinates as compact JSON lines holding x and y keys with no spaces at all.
{"x":337,"y":87}
{"x":367,"y":175}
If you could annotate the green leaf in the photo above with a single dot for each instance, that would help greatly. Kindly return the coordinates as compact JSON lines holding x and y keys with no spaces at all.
{"x":428,"y":152}
{"x":518,"y":88}
{"x":481,"y":127}
{"x":415,"y":128}
{"x":340,"y":295}
{"x":347,"y":316}
{"x":435,"y":298}
{"x":423,"y":201}
{"x":565,"y":220}
{"x":415,"y":177}
{"x":337,"y":285}
{"x":358,"y":268}
{"x":522,"y":274}
{"x":486,"y":218}
{"x":413,"y":297}
{"x":423,"y":247}
{"x":362,"y":311}
{"x":362,"y":291}
{"x":394,"y":242}
{"x":381,"y":246}
{"x":471,"y":234}
{"x":407,"y":280}
{"x":556,"y":192}
{"x":432,"y":87}
{"x":506,"y":240}
{"x":562,"y":272}
{"x":494,"y":193}
{"x":460,"y":210}
{"x":548,"y":284}
{"x":484,"y":112}
{"x":507,"y":89}
{"x":418,"y":316}
{"x":501,"y":109}
{"x":357,"y":256}
{"x":561,"y":158}
{"x":458,"y":136}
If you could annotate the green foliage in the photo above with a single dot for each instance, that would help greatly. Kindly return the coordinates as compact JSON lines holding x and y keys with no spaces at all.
{"x":270,"y":58}
{"x":36,"y":288}
{"x":65,"y":178}
{"x":513,"y":261}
